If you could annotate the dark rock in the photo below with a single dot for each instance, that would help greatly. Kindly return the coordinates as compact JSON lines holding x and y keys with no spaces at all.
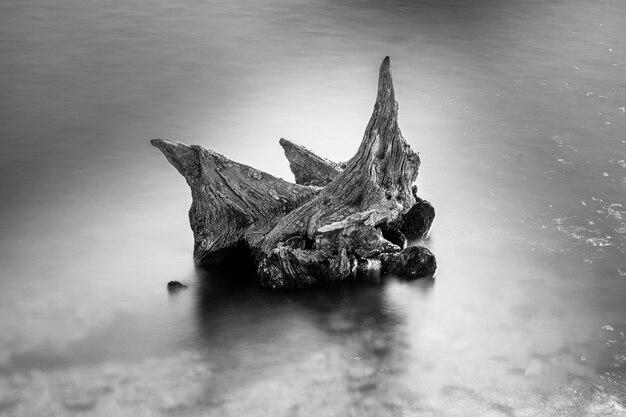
{"x":175,"y":286}
{"x":413,"y":262}
{"x":362,"y":266}
{"x":416,"y":223}
{"x":393,"y":235}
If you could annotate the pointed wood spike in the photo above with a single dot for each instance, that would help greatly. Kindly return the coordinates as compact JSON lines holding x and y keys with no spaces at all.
{"x":385,"y":83}
{"x":307,"y":167}
{"x":384,"y":157}
{"x":375,"y":186}
{"x":183,"y":157}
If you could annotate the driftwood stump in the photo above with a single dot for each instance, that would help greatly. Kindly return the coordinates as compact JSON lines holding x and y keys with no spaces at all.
{"x":336,"y":218}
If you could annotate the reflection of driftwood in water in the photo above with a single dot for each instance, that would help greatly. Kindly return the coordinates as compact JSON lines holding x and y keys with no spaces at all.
{"x":304,"y":234}
{"x":354,"y":355}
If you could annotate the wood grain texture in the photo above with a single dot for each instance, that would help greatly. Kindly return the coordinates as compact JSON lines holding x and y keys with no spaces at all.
{"x":303,"y":234}
{"x":307,"y":167}
{"x":232,"y":203}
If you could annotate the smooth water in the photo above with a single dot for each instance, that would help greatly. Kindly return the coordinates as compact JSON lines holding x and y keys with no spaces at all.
{"x":518,"y":110}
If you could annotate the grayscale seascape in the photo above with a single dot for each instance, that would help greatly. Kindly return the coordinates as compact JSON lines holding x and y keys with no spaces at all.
{"x":518,"y":112}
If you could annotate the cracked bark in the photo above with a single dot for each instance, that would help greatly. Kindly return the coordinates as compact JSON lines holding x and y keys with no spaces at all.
{"x":302,"y":234}
{"x":307,"y":167}
{"x":311,"y":169}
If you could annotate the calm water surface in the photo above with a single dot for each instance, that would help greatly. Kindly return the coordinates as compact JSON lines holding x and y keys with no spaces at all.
{"x":518,"y":110}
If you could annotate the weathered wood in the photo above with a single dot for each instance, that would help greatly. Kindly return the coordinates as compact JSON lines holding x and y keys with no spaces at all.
{"x":307,"y":167}
{"x":376,"y":183}
{"x":232,"y":203}
{"x":311,"y":169}
{"x":300,"y":235}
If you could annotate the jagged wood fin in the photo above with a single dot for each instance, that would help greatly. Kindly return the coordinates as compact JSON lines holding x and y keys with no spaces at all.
{"x":307,"y":167}
{"x":230,"y":200}
{"x":183,"y":157}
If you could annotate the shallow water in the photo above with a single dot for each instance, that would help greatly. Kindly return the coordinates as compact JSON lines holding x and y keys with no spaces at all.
{"x":517,"y":110}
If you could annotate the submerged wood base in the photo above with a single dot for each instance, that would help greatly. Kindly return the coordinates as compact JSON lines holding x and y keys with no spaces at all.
{"x":336,"y":217}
